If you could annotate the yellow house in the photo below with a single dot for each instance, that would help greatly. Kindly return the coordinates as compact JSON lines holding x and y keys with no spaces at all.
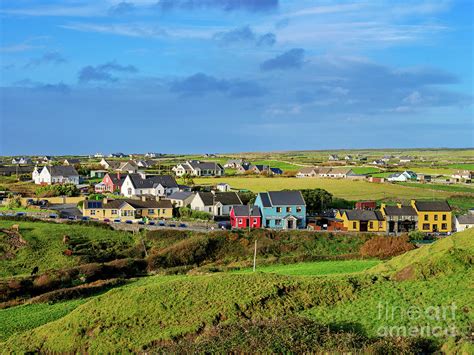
{"x":127,"y":209}
{"x":433,"y":216}
{"x":362,"y":220}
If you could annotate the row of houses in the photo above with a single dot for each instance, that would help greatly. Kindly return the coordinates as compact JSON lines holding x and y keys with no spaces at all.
{"x":331,"y":172}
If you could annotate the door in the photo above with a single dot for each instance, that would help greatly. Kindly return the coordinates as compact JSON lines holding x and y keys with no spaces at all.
{"x":364,"y":226}
{"x":290,"y":224}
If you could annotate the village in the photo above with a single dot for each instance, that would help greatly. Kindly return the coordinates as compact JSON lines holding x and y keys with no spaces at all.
{"x":144,"y":190}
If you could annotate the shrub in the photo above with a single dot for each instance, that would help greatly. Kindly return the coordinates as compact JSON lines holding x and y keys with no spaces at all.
{"x":386,"y":247}
{"x":14,"y":201}
{"x":187,"y":212}
{"x":57,"y":190}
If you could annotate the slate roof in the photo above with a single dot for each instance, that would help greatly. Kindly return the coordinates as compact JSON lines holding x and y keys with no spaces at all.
{"x":115,"y":179}
{"x":308,"y":170}
{"x":433,"y":206}
{"x":226,"y":198}
{"x":204,"y":165}
{"x":400,"y":211}
{"x":180,"y":195}
{"x":363,"y":215}
{"x":72,"y":161}
{"x":282,"y":198}
{"x":152,"y":181}
{"x":466,"y":219}
{"x":62,"y":171}
{"x":244,"y":210}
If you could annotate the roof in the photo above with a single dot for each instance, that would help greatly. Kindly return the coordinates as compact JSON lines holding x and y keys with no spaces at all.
{"x":432,"y":206}
{"x":344,"y":171}
{"x":277,"y":171}
{"x":226,"y":198}
{"x":363,"y":215}
{"x":152,"y":181}
{"x":73,"y":161}
{"x":308,"y":170}
{"x":138,"y":204}
{"x":62,"y":171}
{"x":180,"y":195}
{"x":246,"y":210}
{"x":466,"y":219}
{"x":281,"y":198}
{"x":115,"y":179}
{"x":400,"y":211}
{"x":195,"y":164}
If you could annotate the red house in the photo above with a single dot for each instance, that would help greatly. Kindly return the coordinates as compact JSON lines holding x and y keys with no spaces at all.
{"x":366,"y":205}
{"x":240,"y":215}
{"x":113,"y":182}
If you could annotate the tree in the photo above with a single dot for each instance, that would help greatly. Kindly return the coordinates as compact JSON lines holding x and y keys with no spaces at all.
{"x":317,"y":200}
{"x":187,"y":179}
{"x":247,"y":197}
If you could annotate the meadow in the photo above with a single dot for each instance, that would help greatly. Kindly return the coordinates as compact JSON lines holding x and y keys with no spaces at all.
{"x":342,"y":188}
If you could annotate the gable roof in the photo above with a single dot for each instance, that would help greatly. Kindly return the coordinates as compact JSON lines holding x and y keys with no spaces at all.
{"x":116,"y":180}
{"x":400,"y":211}
{"x":432,"y":206}
{"x":117,"y":204}
{"x":149,"y":182}
{"x":245,"y":210}
{"x":62,"y":171}
{"x":180,"y":195}
{"x":363,"y":215}
{"x":226,"y":198}
{"x":196,"y":164}
{"x":308,"y":170}
{"x":466,"y":219}
{"x":281,"y":198}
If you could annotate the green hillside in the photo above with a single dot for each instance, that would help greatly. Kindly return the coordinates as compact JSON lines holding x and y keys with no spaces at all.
{"x":265,"y":311}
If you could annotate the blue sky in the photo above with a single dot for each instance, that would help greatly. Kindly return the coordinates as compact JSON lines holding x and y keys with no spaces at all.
{"x":182,"y":76}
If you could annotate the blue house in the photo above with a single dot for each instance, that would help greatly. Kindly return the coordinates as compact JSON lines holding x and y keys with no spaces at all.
{"x":282,"y":209}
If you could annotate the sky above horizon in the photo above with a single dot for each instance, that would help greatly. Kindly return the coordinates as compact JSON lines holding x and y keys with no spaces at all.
{"x":196,"y":76}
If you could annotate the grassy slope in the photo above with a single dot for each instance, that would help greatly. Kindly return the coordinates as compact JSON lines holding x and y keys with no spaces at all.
{"x":45,"y":247}
{"x":318,"y":268}
{"x":350,"y":190}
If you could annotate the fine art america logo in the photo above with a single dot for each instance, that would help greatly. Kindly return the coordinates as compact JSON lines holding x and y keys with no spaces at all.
{"x":414,"y":321}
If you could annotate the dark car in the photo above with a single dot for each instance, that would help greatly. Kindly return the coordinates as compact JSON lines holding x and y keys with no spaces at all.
{"x":30,"y":202}
{"x":151,"y":223}
{"x":71,"y":218}
{"x":106,"y":220}
{"x":182,"y":225}
{"x":171,"y":225}
{"x":117,"y":220}
{"x":20,"y":214}
{"x":161,"y":224}
{"x":224,"y":225}
{"x":43,"y":203}
{"x":141,"y":222}
{"x":85,"y":218}
{"x":53,"y":215}
{"x":129,"y":221}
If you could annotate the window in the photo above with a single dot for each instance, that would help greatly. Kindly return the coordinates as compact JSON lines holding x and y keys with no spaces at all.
{"x":151,"y":211}
{"x":371,"y":225}
{"x":278,"y":209}
{"x":278,"y":222}
{"x":129,"y":191}
{"x":240,"y":220}
{"x":114,"y":212}
{"x":444,"y":217}
{"x":354,"y":225}
{"x":380,"y":225}
{"x":435,"y":217}
{"x":426,"y":226}
{"x":92,"y":212}
{"x":444,"y":226}
{"x":426,"y":218}
{"x":164,"y":211}
{"x":288,"y":209}
{"x":298,"y":209}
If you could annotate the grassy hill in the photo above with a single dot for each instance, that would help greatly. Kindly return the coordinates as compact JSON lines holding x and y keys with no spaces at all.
{"x":263,"y":311}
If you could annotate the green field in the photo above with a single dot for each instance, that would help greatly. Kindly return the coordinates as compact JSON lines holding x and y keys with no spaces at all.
{"x":437,"y":187}
{"x":318,"y":268}
{"x":343,"y":188}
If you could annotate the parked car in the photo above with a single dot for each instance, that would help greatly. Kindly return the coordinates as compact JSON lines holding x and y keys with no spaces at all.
{"x":71,"y":218}
{"x":53,"y":215}
{"x":129,"y":221}
{"x":182,"y":225}
{"x":161,"y":224}
{"x":106,"y":220}
{"x":30,"y":202}
{"x":85,"y":218}
{"x":141,"y":222}
{"x":117,"y":220}
{"x":151,"y":223}
{"x":43,"y":203}
{"x":20,"y":214}
{"x":172,"y":225}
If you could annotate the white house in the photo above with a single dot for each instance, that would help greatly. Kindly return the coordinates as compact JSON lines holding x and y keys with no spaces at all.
{"x":464,"y":222}
{"x":308,"y":172}
{"x":56,"y":175}
{"x":215,"y":203}
{"x":156,"y":185}
{"x":198,"y":168}
{"x":462,"y":176}
{"x":21,"y":161}
{"x":223,"y":187}
{"x":407,"y":175}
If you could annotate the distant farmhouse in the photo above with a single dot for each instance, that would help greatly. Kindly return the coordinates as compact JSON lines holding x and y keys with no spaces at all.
{"x":199,"y":168}
{"x":155,"y":185}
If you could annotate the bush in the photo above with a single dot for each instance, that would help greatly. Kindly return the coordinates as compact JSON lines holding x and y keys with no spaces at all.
{"x":14,"y":202}
{"x":386,"y":247}
{"x":57,"y":190}
{"x":187,"y":212}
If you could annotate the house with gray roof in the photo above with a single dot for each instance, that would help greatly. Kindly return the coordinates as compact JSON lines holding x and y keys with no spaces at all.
{"x":282,"y":209}
{"x":199,"y":168}
{"x":154,"y":185}
{"x":215,"y":203}
{"x":465,"y":221}
{"x":56,"y":175}
{"x":400,"y":219}
{"x":181,"y":198}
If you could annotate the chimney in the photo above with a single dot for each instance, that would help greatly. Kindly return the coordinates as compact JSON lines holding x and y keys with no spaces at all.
{"x":118,"y":175}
